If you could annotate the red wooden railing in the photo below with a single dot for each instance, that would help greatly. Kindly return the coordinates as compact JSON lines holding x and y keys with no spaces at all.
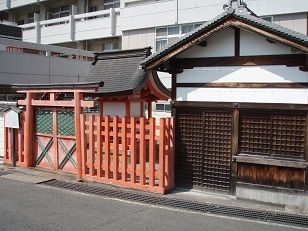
{"x":130,"y":152}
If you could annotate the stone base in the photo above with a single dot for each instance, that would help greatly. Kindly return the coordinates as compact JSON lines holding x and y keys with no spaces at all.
{"x":278,"y":198}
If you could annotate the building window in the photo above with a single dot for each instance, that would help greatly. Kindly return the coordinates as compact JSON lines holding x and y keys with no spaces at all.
{"x":268,"y":18}
{"x":93,"y":8}
{"x":171,"y":34}
{"x":111,"y":46}
{"x":108,"y":4}
{"x":59,"y":12}
{"x":30,"y":18}
{"x":163,"y":107}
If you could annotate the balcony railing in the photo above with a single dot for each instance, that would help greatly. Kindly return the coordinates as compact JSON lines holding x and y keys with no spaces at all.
{"x":79,"y":27}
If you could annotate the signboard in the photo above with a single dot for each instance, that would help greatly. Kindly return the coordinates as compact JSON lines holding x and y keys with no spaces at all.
{"x":12,"y":118}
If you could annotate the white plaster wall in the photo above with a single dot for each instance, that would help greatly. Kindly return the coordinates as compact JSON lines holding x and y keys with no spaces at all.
{"x":261,"y":74}
{"x":1,"y":135}
{"x":135,"y":109}
{"x":114,"y":109}
{"x":220,"y":45}
{"x":255,"y":95}
{"x":254,"y":44}
{"x":27,"y":68}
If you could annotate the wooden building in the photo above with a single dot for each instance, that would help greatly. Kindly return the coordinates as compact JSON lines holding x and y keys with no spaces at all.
{"x":240,"y":101}
{"x":127,"y":87}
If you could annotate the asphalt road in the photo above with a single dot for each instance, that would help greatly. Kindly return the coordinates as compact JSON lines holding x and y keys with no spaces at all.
{"x":25,"y":206}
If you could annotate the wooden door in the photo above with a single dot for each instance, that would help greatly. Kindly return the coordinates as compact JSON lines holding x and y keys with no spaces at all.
{"x":203,"y":149}
{"x":55,"y":140}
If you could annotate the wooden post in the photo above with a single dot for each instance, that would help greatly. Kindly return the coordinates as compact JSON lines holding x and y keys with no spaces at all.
{"x":28,"y":139}
{"x":306,"y":152}
{"x":133,"y":149}
{"x":91,"y":145}
{"x":149,"y":109}
{"x":124,"y":149}
{"x":77,"y":109}
{"x":99,"y":144}
{"x":83,"y":144}
{"x":115,"y":148}
{"x":142,"y":151}
{"x":234,"y":149}
{"x":127,"y":108}
{"x":172,"y":154}
{"x":152,"y":151}
{"x":55,"y":137}
{"x":107,"y":147}
{"x":167,"y":151}
{"x":162,"y":153}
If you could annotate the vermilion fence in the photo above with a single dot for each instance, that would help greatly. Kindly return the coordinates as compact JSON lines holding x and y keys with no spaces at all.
{"x":130,"y":152}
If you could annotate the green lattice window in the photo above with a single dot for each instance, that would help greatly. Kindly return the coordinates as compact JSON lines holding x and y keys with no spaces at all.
{"x":43,"y":121}
{"x":66,"y":123}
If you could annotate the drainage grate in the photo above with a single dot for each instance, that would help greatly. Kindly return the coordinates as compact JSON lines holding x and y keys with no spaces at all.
{"x":3,"y":172}
{"x":148,"y":198}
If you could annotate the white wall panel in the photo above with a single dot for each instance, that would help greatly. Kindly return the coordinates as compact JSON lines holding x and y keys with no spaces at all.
{"x":261,"y":74}
{"x":135,"y":109}
{"x":220,"y":45}
{"x":55,"y":34}
{"x":114,"y":109}
{"x":255,"y":95}
{"x":194,"y":10}
{"x":147,"y":15}
{"x":254,"y":44}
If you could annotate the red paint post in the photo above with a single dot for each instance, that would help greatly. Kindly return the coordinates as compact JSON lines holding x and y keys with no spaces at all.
{"x":99,"y":144}
{"x":91,"y":145}
{"x":167,"y":151}
{"x":152,"y":152}
{"x":124,"y":149}
{"x":142,"y":150}
{"x":107,"y":147}
{"x":115,"y":148}
{"x":28,"y":139}
{"x":162,"y":153}
{"x":133,"y":149}
{"x":83,"y":144}
{"x":78,"y":111}
{"x":55,"y":141}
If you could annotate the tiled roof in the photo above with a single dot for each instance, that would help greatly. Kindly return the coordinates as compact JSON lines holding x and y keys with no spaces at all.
{"x":120,"y":71}
{"x":247,"y":18}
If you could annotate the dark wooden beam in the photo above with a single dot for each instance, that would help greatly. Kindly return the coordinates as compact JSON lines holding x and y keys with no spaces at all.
{"x":173,"y":86}
{"x":264,"y":106}
{"x":237,"y":41}
{"x":288,"y":60}
{"x":255,"y":159}
{"x":234,"y":148}
{"x":304,"y":69}
{"x":242,"y":85}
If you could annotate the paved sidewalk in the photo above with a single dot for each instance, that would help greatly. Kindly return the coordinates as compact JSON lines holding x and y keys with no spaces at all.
{"x":37,"y":176}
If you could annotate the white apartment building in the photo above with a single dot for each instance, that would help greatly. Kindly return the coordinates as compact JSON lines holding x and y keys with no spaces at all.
{"x":97,"y":25}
